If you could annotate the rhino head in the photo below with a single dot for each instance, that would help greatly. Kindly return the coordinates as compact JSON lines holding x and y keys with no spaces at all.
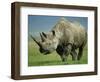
{"x":48,"y":42}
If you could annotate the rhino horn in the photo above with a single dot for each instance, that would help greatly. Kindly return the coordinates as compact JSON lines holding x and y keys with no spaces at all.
{"x":44,"y":34}
{"x":35,"y":40}
{"x":42,"y":37}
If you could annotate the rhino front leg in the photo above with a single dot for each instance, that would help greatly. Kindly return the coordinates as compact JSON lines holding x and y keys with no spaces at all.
{"x":67,"y":51}
{"x":60,"y":51}
{"x":64,"y":51}
{"x":74,"y":55}
{"x":63,"y":57}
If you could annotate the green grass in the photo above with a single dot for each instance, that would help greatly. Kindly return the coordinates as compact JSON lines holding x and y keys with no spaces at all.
{"x":35,"y":58}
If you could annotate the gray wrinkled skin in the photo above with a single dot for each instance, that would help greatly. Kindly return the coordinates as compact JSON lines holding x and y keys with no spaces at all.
{"x":65,"y":37}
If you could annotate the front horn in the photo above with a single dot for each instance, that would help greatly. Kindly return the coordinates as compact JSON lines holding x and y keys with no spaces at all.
{"x":35,"y":40}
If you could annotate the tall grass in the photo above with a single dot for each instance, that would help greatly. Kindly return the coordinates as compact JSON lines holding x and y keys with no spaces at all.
{"x":35,"y":58}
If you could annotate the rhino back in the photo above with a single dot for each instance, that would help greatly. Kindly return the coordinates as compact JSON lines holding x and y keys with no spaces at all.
{"x":68,"y":32}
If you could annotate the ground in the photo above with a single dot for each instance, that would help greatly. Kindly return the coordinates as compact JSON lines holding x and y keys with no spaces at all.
{"x":35,"y":58}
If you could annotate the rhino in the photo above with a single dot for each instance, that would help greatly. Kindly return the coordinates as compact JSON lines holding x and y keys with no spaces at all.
{"x":65,"y":38}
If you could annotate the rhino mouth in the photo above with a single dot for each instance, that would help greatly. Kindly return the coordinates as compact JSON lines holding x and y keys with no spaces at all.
{"x":45,"y":52}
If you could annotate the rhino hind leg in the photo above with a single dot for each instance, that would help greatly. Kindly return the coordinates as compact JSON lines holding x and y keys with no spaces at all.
{"x":80,"y":53}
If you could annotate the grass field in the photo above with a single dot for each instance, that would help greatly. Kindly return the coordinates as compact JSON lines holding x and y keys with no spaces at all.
{"x":35,"y":58}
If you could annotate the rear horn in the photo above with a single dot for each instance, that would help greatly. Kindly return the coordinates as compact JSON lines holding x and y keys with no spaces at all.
{"x":42,"y":37}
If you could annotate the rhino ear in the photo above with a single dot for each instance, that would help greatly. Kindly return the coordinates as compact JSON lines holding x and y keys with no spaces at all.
{"x":44,"y":34}
{"x":53,"y":32}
